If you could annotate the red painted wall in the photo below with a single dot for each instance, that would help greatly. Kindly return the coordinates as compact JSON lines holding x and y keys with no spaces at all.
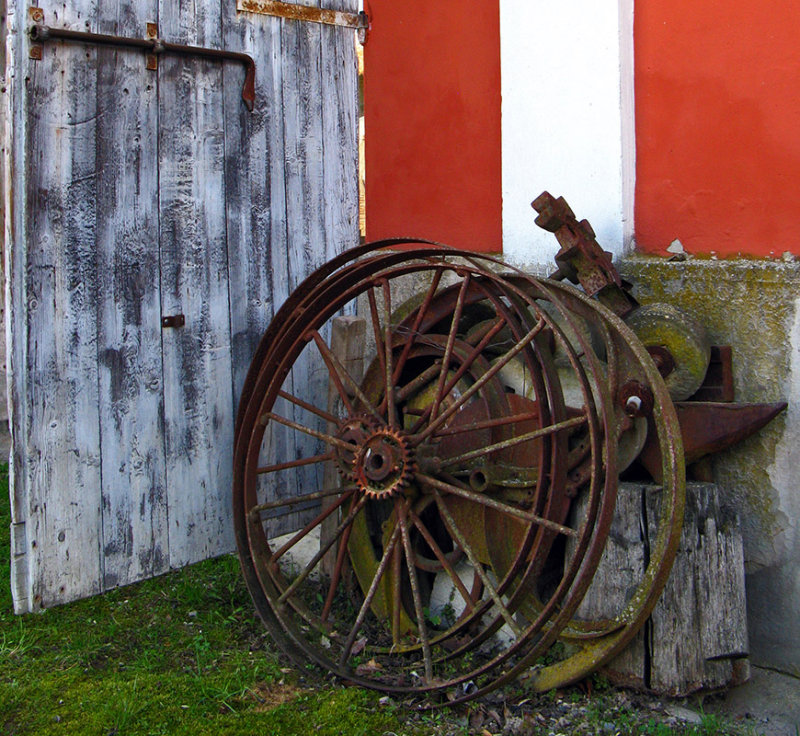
{"x":432,"y":111}
{"x":718,"y":126}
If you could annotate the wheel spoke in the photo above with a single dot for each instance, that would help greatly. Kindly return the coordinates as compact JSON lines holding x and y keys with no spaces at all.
{"x":316,"y":521}
{"x":461,"y":371}
{"x":337,"y":573}
{"x":308,"y":407}
{"x":418,"y":382}
{"x":322,"y":549}
{"x":479,"y":384}
{"x":397,"y":606}
{"x":373,"y":589}
{"x":295,"y":463}
{"x":448,"y":350}
{"x":519,"y":439}
{"x":487,"y":583}
{"x":487,"y":424}
{"x":388,"y":371}
{"x":330,"y":439}
{"x":480,"y":339}
{"x":295,"y":500}
{"x":420,"y":315}
{"x":376,"y":329}
{"x":445,"y":563}
{"x":419,"y":611}
{"x":339,"y":372}
{"x":484,"y":500}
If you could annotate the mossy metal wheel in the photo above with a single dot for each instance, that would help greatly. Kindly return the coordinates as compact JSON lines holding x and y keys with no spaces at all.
{"x":446,"y":477}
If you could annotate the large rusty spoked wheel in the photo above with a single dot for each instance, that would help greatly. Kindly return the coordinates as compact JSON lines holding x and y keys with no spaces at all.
{"x":450,"y":558}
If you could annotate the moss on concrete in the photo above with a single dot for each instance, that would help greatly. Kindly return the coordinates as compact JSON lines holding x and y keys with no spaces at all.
{"x":751,"y":305}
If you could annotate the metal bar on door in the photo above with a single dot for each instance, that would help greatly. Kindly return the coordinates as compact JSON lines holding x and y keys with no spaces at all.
{"x":40,"y":33}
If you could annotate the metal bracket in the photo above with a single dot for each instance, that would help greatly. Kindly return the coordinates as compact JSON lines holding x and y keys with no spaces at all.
{"x":310,"y":14}
{"x":173,"y":320}
{"x":153,"y":45}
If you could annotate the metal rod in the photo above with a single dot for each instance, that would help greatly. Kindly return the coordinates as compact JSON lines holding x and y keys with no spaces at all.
{"x":40,"y":33}
{"x":516,"y":440}
{"x":438,"y":485}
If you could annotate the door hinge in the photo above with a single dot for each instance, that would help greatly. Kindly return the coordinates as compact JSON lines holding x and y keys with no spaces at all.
{"x":278,"y":8}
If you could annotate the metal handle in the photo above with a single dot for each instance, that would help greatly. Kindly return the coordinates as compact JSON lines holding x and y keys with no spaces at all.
{"x":40,"y":33}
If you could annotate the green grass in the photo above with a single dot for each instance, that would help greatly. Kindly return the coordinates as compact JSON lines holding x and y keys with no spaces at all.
{"x":181,"y":654}
{"x":184,"y":654}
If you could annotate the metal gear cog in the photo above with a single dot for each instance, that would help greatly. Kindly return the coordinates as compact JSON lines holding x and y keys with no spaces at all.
{"x":384,"y":463}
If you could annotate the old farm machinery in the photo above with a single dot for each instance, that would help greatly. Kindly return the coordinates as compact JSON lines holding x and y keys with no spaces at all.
{"x":446,"y":478}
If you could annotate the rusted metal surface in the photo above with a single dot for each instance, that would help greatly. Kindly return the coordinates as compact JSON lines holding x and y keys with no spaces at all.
{"x":491,"y":403}
{"x":40,"y":34}
{"x":581,"y":259}
{"x":309,"y":14}
{"x":718,"y":383}
{"x":708,"y":427}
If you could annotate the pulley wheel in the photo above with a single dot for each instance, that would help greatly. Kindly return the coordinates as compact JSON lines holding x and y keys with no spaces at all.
{"x":676,"y":339}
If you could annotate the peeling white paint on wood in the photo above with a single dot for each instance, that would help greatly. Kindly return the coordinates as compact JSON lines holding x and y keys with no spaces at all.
{"x":134,"y":541}
{"x":134,"y":195}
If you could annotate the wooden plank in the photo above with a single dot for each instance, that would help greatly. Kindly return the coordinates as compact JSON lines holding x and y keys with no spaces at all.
{"x":194,"y":282}
{"x":619,"y":572}
{"x":340,"y":132}
{"x":15,"y":236}
{"x":696,"y":637}
{"x":699,"y":625}
{"x":59,"y":466}
{"x":134,"y":528}
{"x":347,"y":344}
{"x":301,"y":48}
{"x":251,"y":141}
{"x":257,"y":227}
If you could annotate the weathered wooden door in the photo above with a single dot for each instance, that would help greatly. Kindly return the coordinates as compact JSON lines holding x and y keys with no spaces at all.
{"x":136,"y":195}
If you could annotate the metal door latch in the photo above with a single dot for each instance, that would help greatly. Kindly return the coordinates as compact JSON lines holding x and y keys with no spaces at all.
{"x":173,"y":320}
{"x":40,"y":33}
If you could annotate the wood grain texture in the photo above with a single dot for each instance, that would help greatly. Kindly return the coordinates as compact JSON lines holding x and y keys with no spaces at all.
{"x":134,"y":504}
{"x":15,"y":236}
{"x":62,"y":456}
{"x":301,"y":48}
{"x":699,"y":626}
{"x":696,"y":637}
{"x":194,"y":282}
{"x":133,"y":195}
{"x":340,"y":132}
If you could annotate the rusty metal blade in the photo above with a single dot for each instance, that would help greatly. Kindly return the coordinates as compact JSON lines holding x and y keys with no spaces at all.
{"x":709,"y":426}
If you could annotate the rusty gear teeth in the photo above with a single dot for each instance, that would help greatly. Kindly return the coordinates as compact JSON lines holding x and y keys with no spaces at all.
{"x":384,"y":464}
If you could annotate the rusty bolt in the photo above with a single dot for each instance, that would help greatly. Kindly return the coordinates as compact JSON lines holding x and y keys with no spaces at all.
{"x":636,"y":399}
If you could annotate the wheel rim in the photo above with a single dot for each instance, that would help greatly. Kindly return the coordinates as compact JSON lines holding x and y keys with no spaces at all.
{"x":413,"y":501}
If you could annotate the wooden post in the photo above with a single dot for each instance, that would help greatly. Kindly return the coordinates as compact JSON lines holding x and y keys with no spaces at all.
{"x":347,"y":344}
{"x":696,"y":637}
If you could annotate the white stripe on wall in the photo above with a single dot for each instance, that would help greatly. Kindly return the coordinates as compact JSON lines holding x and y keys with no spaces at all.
{"x":565,"y":115}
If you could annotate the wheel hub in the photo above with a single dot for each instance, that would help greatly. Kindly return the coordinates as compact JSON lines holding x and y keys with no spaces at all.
{"x":384,"y":463}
